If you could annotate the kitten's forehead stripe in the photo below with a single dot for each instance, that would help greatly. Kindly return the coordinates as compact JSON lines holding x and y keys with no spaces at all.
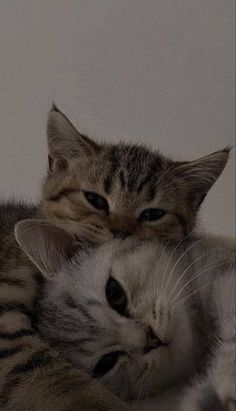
{"x":143,"y":183}
{"x":133,"y":166}
{"x":107,"y":184}
{"x":71,"y":303}
{"x":92,"y":302}
{"x":122,"y":179}
{"x":83,"y":310}
{"x":109,"y":178}
{"x":151,"y":193}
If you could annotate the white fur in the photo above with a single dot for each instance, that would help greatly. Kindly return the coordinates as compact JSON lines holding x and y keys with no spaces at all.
{"x":177,"y":292}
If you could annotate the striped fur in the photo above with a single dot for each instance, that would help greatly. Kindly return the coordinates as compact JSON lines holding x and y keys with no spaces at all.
{"x":32,"y":375}
{"x":130,"y":178}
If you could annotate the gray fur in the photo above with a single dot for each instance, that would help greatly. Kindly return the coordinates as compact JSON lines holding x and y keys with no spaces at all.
{"x":194,"y":314}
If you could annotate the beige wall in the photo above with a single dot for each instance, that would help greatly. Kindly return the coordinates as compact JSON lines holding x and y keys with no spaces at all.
{"x":156,"y":70}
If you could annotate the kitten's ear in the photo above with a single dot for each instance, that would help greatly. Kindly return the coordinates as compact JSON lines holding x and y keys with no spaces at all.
{"x":201,"y":174}
{"x":64,"y":141}
{"x":47,"y":245}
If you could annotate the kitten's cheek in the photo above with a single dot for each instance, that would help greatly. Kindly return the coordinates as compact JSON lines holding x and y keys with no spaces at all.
{"x":105,"y":235}
{"x":101,"y":234}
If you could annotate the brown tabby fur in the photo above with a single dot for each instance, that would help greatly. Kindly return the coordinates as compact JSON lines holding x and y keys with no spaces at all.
{"x":131,"y":178}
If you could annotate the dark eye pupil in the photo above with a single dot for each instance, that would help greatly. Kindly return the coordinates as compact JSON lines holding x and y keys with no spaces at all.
{"x":96,"y":200}
{"x":151,"y":214}
{"x":116,"y":296}
{"x":106,"y":363}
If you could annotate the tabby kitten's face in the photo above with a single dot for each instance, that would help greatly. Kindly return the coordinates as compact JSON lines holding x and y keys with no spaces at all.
{"x":112,"y":309}
{"x":120,"y":190}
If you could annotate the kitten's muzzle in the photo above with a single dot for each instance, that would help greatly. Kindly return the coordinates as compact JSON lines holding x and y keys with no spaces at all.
{"x":152,"y":342}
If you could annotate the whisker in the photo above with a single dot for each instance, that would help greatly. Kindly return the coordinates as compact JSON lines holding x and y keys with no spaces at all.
{"x":180,"y":257}
{"x":210,"y":266}
{"x":164,"y":189}
{"x":154,"y":272}
{"x":175,"y":249}
{"x":159,"y":262}
{"x":188,"y":296}
{"x":191,"y":264}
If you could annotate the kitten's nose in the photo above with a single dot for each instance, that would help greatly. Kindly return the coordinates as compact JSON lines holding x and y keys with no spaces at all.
{"x":152,"y":341}
{"x":121,"y":234}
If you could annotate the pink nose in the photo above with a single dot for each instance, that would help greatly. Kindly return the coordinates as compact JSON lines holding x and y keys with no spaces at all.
{"x":152,"y":342}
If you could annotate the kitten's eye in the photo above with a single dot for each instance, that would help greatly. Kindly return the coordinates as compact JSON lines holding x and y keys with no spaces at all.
{"x":106,"y":363}
{"x":116,"y":296}
{"x":151,"y":214}
{"x":96,"y":200}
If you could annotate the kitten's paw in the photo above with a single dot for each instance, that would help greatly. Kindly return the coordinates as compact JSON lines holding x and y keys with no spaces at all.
{"x":93,"y":232}
{"x":205,"y":398}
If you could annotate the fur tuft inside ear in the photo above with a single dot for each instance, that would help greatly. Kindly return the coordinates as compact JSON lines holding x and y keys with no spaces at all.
{"x":64,"y":141}
{"x":47,"y":245}
{"x":54,"y":107}
{"x":201,"y":174}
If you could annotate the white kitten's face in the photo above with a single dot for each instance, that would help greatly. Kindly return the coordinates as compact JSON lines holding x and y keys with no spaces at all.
{"x":112,"y":314}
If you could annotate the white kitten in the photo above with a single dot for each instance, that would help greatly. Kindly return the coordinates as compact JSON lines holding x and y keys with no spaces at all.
{"x":140,"y":317}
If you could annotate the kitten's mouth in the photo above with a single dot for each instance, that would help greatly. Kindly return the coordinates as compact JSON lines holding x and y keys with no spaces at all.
{"x":153,"y":342}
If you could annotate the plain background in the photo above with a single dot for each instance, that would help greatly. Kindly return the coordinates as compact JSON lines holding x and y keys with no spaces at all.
{"x":158,"y":71}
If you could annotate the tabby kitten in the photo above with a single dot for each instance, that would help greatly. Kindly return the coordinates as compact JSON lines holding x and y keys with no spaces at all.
{"x":140,"y":316}
{"x":121,"y":189}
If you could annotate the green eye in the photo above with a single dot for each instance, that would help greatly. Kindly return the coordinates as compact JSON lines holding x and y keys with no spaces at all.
{"x":151,"y":214}
{"x":106,"y":363}
{"x":96,"y":200}
{"x":116,"y":296}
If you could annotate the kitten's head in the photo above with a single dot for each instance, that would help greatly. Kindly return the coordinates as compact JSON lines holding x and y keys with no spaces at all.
{"x":112,"y":309}
{"x":121,"y":189}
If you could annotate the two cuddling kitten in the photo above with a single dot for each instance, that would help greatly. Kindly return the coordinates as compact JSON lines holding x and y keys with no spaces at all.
{"x":133,"y":312}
